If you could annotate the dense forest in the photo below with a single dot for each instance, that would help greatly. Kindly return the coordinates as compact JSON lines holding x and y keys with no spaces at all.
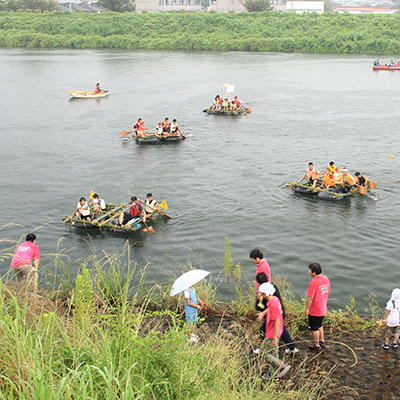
{"x":264,"y":31}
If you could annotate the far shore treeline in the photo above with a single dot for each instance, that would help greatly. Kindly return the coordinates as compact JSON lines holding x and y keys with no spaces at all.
{"x":264,"y":31}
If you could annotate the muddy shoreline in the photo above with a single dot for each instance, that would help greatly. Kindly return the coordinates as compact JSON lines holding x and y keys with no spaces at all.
{"x":355,"y":361}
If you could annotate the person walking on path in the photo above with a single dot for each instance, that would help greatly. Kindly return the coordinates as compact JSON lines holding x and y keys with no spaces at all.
{"x":317,"y":300}
{"x":392,"y":320}
{"x":27,"y":253}
{"x":257,"y":257}
{"x":261,"y":306}
{"x":273,"y":331}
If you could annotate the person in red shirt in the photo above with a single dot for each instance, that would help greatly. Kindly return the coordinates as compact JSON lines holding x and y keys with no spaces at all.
{"x":97,"y":88}
{"x":25,"y":254}
{"x":273,"y":331}
{"x":257,"y":257}
{"x":166,"y":125}
{"x":140,"y":128}
{"x":237,"y":101}
{"x":317,"y":300}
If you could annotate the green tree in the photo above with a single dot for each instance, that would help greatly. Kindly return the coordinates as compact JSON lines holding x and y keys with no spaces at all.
{"x":256,"y":5}
{"x":328,"y":6}
{"x":32,"y":5}
{"x":118,"y":5}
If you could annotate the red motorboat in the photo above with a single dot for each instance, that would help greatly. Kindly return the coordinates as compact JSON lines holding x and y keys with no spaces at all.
{"x":386,"y":67}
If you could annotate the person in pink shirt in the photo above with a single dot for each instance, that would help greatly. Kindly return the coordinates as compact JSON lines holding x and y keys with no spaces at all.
{"x":273,"y":331}
{"x":257,"y":257}
{"x":25,"y":254}
{"x":317,"y":300}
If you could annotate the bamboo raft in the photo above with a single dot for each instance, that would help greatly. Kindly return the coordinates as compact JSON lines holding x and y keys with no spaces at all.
{"x":108,"y":220}
{"x":242,"y":110}
{"x":152,"y":138}
{"x":328,"y":194}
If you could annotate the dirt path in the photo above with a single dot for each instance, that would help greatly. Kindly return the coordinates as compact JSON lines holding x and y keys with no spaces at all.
{"x":358,"y":365}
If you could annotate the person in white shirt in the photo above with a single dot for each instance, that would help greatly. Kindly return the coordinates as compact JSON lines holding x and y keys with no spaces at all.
{"x":174,"y":127}
{"x":392,"y":319}
{"x":97,"y":203}
{"x":82,"y":209}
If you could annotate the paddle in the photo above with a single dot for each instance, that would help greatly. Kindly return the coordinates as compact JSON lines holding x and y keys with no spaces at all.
{"x":371,"y":185}
{"x":389,"y":181}
{"x":362,"y":190}
{"x":155,"y":208}
{"x":125,"y":133}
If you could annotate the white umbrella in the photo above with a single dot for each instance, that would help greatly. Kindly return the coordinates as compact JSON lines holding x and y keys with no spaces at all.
{"x":187,"y":280}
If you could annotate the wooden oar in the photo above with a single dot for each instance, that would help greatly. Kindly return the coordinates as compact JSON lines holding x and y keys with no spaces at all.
{"x":389,"y":181}
{"x":155,"y":209}
{"x":362,"y":190}
{"x":247,"y":109}
{"x":371,"y":185}
{"x":125,"y":133}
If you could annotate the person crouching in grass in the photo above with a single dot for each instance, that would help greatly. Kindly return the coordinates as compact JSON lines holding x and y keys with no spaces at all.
{"x":273,"y":331}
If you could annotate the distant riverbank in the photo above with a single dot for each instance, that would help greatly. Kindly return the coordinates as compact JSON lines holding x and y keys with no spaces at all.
{"x":266,"y":31}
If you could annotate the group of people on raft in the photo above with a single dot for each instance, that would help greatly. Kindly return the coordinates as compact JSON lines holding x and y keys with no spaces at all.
{"x":138,"y":210}
{"x":163,"y":129}
{"x":220,"y":104}
{"x":392,"y":63}
{"x":336,"y":179}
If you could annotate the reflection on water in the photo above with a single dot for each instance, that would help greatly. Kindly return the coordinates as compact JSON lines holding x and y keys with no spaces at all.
{"x":226,"y":179}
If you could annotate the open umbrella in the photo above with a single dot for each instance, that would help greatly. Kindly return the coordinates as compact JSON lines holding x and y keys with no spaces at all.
{"x":187,"y":280}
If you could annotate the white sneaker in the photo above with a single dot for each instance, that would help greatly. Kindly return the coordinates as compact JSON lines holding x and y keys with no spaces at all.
{"x":257,"y":351}
{"x":194,"y":338}
{"x":294,"y":351}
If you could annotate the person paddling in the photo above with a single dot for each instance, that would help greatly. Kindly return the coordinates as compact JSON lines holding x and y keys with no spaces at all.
{"x":131,"y":216}
{"x":312,"y":174}
{"x":140,"y":128}
{"x":361,"y":180}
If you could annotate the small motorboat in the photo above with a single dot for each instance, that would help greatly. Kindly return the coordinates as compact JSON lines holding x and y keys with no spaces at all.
{"x":386,"y":67}
{"x":79,"y":94}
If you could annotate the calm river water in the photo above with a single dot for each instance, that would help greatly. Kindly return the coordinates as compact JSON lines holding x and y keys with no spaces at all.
{"x":227,"y":179}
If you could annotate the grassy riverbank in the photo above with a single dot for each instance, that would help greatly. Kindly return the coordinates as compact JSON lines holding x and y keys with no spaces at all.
{"x":109,"y":335}
{"x":267,"y":31}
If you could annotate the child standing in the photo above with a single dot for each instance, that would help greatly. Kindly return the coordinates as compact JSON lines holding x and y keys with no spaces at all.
{"x":191,"y":306}
{"x":392,"y":319}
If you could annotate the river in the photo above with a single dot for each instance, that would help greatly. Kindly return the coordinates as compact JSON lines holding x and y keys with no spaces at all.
{"x":226,"y":180}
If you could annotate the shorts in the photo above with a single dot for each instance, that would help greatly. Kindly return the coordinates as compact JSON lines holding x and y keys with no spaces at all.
{"x":127,"y":217}
{"x":23,"y":271}
{"x":392,"y":330}
{"x":314,"y":323}
{"x":84,"y":216}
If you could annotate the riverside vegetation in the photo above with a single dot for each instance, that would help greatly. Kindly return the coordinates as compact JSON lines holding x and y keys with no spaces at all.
{"x":262,"y":31}
{"x":109,"y":334}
